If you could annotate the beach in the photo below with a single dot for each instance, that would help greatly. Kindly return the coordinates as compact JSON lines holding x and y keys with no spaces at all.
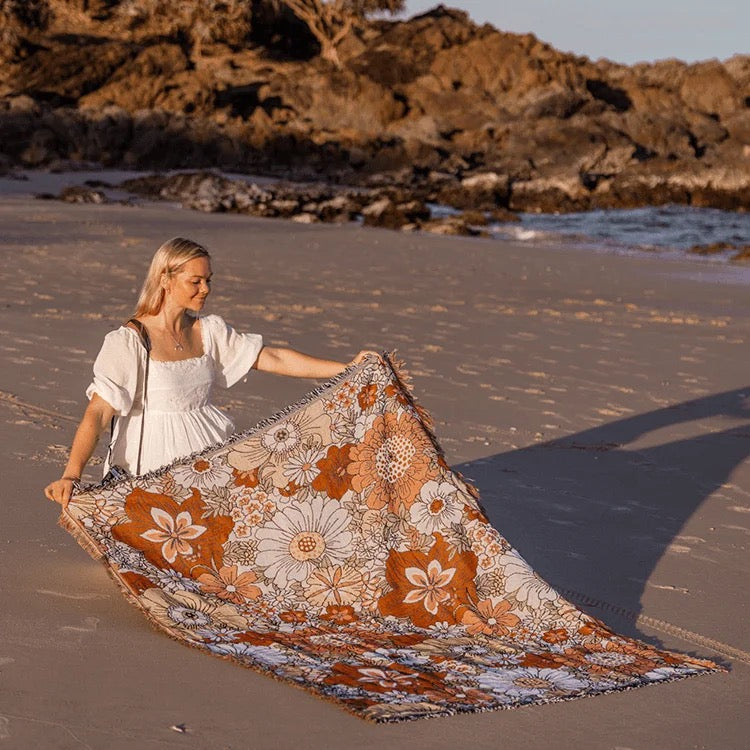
{"x":600,"y":403}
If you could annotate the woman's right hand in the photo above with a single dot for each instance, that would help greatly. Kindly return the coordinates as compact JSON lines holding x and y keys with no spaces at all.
{"x":61,"y":490}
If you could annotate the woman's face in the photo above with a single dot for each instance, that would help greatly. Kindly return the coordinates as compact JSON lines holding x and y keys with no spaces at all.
{"x":189,"y":287}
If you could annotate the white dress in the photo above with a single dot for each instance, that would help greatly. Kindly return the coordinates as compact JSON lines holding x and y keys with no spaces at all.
{"x":180,"y":418}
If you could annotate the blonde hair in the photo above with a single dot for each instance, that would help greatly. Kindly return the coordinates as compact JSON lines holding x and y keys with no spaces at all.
{"x":169,"y":258}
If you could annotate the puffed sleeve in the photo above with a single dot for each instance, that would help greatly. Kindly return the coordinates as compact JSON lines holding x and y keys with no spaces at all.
{"x":233,"y":353}
{"x":116,"y":370}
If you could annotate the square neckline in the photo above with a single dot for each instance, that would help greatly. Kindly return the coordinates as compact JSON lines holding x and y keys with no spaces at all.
{"x":199,"y":321}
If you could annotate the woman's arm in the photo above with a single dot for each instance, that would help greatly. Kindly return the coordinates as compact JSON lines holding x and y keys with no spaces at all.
{"x":299,"y":365}
{"x":94,"y":421}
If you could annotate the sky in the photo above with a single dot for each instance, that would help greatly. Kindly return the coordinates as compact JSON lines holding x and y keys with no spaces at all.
{"x":626,"y":31}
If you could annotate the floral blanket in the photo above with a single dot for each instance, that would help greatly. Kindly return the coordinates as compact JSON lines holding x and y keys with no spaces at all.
{"x":332,"y":547}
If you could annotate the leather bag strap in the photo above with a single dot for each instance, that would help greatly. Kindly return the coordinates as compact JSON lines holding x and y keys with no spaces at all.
{"x":146,"y":341}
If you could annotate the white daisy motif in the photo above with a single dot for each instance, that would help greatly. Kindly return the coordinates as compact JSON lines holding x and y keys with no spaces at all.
{"x":436,"y":507}
{"x":173,"y":533}
{"x":189,"y":612}
{"x":302,"y":537}
{"x":203,"y":473}
{"x":282,"y":439}
{"x":301,"y":468}
{"x":522,"y":581}
{"x":531,"y":682}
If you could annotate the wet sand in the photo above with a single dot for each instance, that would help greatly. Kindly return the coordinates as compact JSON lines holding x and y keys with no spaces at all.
{"x":601,"y":404}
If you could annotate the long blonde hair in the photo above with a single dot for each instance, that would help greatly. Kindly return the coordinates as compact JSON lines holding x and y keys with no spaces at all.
{"x":169,"y":258}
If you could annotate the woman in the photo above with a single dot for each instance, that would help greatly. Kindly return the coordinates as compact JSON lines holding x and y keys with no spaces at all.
{"x":190,"y":352}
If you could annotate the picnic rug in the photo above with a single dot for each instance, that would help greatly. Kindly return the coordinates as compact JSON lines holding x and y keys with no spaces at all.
{"x":332,"y":547}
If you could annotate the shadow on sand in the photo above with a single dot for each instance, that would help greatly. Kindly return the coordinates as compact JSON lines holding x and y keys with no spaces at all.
{"x":590,"y":515}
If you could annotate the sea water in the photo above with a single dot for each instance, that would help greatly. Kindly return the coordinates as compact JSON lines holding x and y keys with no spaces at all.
{"x":667,"y":230}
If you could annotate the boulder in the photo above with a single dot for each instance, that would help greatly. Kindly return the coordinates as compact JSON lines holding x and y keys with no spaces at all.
{"x":384,"y":213}
{"x":82,"y":194}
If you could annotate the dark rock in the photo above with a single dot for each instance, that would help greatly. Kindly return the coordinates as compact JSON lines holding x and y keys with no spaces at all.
{"x":712,"y":249}
{"x":82,"y":194}
{"x":483,"y":192}
{"x":449,"y":225}
{"x":384,"y":213}
{"x":504,"y":215}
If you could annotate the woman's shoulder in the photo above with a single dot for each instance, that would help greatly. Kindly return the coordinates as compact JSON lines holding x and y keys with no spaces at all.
{"x":122,"y":338}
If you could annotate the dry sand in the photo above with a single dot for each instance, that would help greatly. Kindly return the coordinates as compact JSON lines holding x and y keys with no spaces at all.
{"x":598,"y":402}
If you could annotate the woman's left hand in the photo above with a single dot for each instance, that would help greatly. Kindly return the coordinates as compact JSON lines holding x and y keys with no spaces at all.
{"x":362,"y":355}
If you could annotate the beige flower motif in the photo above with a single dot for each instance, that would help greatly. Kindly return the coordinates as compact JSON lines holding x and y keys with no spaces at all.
{"x":173,"y":533}
{"x":227,"y":583}
{"x":436,"y":508}
{"x":278,"y":445}
{"x":204,"y":473}
{"x":386,"y":678}
{"x":429,"y":585}
{"x":525,"y":583}
{"x":187,"y":612}
{"x":334,"y":585}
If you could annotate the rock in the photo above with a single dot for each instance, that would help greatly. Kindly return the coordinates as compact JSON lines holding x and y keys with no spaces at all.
{"x":82,"y":194}
{"x":743,"y":254}
{"x":305,"y":218}
{"x":708,"y":87}
{"x":474,"y":218}
{"x":503,"y":215}
{"x":549,"y":195}
{"x":384,"y":213}
{"x":482,"y":192}
{"x":712,"y":249}
{"x":449,"y":225}
{"x":436,"y":107}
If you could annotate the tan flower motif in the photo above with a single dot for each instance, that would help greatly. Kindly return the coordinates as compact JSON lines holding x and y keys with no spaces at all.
{"x":340,"y":614}
{"x":285,"y":439}
{"x":174,"y":533}
{"x":489,"y":618}
{"x":392,"y":462}
{"x":334,"y":585}
{"x":227,"y":583}
{"x":188,"y":612}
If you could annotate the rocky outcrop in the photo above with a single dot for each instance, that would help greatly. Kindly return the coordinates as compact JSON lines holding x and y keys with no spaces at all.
{"x":457,"y":113}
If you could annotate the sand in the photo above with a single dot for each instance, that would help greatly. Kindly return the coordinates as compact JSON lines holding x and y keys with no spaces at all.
{"x":601,"y":403}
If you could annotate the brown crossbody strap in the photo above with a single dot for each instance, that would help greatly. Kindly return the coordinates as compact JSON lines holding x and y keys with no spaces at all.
{"x":146,"y":341}
{"x":143,"y":336}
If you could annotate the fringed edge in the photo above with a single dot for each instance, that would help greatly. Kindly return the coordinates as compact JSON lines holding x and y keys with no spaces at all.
{"x":555,"y":699}
{"x":237,"y":436}
{"x":79,"y":533}
{"x":67,"y":522}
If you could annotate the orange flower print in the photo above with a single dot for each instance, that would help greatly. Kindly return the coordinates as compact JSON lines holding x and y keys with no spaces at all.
{"x":340,"y":614}
{"x":384,"y":679}
{"x":334,"y":480}
{"x":295,"y":615}
{"x":489,"y":619}
{"x":227,"y":584}
{"x":556,"y":635}
{"x":429,"y":587}
{"x":173,"y":533}
{"x":392,"y":391}
{"x":392,"y":462}
{"x":367,"y":396}
{"x":246,"y":478}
